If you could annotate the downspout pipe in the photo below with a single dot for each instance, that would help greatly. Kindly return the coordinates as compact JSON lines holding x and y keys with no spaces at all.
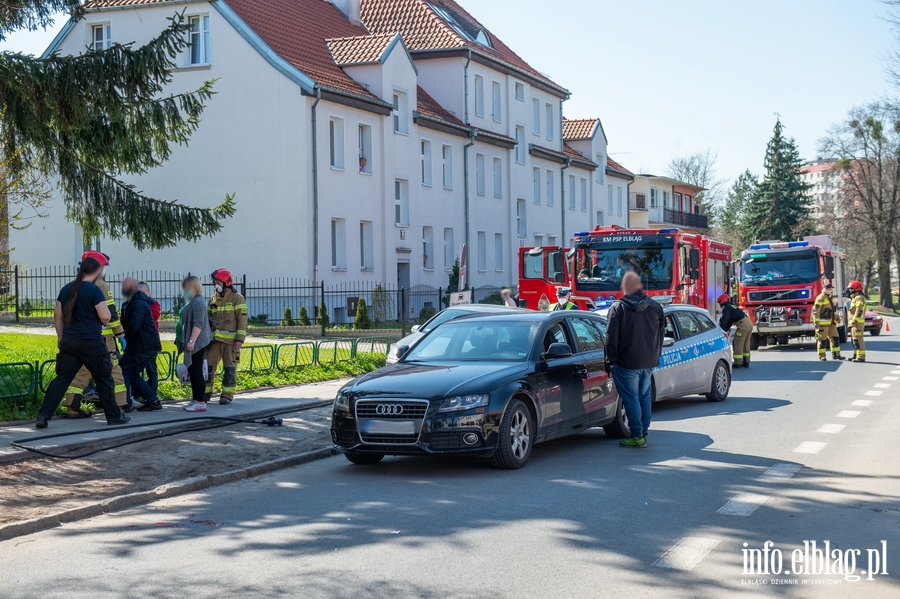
{"x":473,"y":133}
{"x":562,"y":176}
{"x":315,"y":182}
{"x":466,"y":85}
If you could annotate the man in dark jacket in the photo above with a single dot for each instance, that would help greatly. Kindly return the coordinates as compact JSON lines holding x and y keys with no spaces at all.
{"x":636,"y":328}
{"x":142,"y":343}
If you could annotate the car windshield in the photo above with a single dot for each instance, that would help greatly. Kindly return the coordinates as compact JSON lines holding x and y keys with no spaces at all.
{"x":779,"y":268}
{"x":601,"y":264}
{"x":477,"y":339}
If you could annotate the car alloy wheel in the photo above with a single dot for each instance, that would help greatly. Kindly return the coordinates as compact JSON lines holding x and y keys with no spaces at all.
{"x":515,"y":436}
{"x":721,"y":383}
{"x":520,"y":435}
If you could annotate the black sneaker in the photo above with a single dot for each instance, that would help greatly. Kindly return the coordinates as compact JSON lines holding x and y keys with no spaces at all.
{"x":129,"y":407}
{"x":75,"y":413}
{"x":224,"y":401}
{"x":41,"y":422}
{"x":123,"y":419}
{"x":150,"y":407}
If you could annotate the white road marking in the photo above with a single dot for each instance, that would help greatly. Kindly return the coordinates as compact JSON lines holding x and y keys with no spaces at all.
{"x":895,"y":372}
{"x":848,"y":414}
{"x":863,"y":403}
{"x":873,"y":393}
{"x":891,"y":378}
{"x":743,"y":505}
{"x":810,"y":447}
{"x":686,"y":553}
{"x":882,"y":385}
{"x":781,"y":471}
{"x":831,"y":428}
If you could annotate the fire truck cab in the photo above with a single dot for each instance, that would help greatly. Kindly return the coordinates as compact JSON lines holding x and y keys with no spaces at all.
{"x":778,"y":285}
{"x":675,"y":267}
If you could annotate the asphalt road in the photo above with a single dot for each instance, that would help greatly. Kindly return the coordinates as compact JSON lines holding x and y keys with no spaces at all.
{"x":800,"y":451}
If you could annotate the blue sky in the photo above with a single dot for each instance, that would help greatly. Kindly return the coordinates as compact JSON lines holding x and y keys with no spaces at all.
{"x":671,"y":77}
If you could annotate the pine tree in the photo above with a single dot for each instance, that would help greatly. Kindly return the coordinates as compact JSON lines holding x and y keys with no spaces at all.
{"x":781,"y":207}
{"x":303,"y":317}
{"x":362,"y":321}
{"x":86,"y":120}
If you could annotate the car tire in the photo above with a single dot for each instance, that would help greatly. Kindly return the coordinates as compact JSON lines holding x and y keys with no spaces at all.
{"x":364,"y":459}
{"x":721,"y":382}
{"x":618,"y":428}
{"x":517,"y":435}
{"x":754,"y":341}
{"x":875,"y":332}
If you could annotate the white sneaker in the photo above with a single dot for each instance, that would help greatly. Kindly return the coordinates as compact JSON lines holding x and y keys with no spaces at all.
{"x":195,"y":406}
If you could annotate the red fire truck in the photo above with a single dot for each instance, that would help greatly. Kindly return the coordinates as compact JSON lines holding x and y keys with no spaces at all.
{"x":779,"y":283}
{"x":676,"y":267}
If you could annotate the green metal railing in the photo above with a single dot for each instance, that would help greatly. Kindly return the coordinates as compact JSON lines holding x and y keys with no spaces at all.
{"x":27,"y":379}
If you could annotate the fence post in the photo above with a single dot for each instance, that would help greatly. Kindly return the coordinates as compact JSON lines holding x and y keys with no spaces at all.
{"x":244,"y":285}
{"x":16,"y":278}
{"x":403,"y":310}
{"x":322,"y":303}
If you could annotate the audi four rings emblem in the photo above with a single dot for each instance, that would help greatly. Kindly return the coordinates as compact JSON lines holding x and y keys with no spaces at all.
{"x":388,"y":409}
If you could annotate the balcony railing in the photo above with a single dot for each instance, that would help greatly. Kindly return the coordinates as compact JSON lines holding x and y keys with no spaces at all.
{"x":685,"y":219}
{"x":638,"y":201}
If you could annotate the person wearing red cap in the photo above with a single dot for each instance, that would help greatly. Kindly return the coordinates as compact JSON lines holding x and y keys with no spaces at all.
{"x":228,"y":318}
{"x":734,"y":316}
{"x":856,"y":318}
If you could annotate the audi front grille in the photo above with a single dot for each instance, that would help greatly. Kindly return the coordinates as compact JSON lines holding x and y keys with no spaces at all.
{"x":410,"y":409}
{"x":401,"y":412}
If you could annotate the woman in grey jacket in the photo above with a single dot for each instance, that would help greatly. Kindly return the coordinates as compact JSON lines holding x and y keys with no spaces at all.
{"x":195,"y":337}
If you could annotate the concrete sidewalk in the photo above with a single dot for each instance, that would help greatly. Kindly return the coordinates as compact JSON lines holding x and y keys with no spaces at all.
{"x":245,"y":405}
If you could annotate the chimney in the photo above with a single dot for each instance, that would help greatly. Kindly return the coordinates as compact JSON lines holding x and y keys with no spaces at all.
{"x":350,"y":8}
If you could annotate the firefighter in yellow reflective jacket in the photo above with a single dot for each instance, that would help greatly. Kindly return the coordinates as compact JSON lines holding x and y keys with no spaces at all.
{"x":740,"y":344}
{"x":826,"y":319}
{"x":856,"y":318}
{"x":113,"y":332}
{"x":228,"y":317}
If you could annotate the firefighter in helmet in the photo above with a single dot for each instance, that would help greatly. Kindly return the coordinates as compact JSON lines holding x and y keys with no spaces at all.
{"x":732,"y":315}
{"x":112,"y":333}
{"x":826,"y":319}
{"x":856,"y":318}
{"x":564,"y":300}
{"x":228,"y":317}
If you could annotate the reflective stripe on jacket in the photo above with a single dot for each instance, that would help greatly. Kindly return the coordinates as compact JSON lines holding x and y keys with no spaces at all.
{"x":228,"y":316}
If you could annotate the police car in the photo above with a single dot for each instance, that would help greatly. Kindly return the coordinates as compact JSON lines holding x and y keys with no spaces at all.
{"x":696,"y":357}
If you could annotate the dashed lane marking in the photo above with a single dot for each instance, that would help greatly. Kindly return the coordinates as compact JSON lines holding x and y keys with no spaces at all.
{"x":891,"y":378}
{"x":743,"y":505}
{"x":848,"y":414}
{"x":782,"y":471}
{"x":831,"y":428}
{"x":810,"y":447}
{"x":882,"y":385}
{"x":895,"y":372}
{"x":863,"y":403}
{"x":686,"y":553}
{"x":873,"y":393}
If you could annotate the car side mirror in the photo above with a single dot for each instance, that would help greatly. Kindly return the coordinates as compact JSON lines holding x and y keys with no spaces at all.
{"x":694,"y":274}
{"x":558,"y":350}
{"x":668,"y":342}
{"x":415,"y":328}
{"x":829,"y":267}
{"x":694,"y":258}
{"x":402,"y":351}
{"x":559,"y":278}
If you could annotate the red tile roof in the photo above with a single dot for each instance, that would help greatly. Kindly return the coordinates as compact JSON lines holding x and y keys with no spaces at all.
{"x":115,"y":3}
{"x":428,"y":106}
{"x":579,"y":128}
{"x":577,"y":156}
{"x":425,"y":29}
{"x":615,"y":166}
{"x":364,"y":49}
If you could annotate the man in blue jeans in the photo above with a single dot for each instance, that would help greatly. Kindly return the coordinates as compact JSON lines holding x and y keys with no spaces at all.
{"x":636,"y":326}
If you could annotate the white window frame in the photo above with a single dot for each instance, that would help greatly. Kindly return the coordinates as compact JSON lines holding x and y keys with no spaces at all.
{"x":496,"y":102}
{"x":571,"y":190}
{"x":366,"y":245}
{"x":401,"y":202}
{"x":536,"y":184}
{"x":535,"y":116}
{"x":105,"y":42}
{"x":427,"y":166}
{"x":399,"y":100}
{"x":449,"y":249}
{"x":521,"y":218}
{"x":548,"y":109}
{"x":520,"y":91}
{"x":482,"y":251}
{"x":480,"y":184}
{"x":428,"y":248}
{"x":364,"y":132}
{"x":601,"y":168}
{"x":551,"y":188}
{"x":584,"y":195}
{"x":609,"y":199}
{"x":498,"y":252}
{"x":202,"y":41}
{"x":520,"y":144}
{"x":336,"y":143}
{"x":498,"y":177}
{"x":479,"y":95}
{"x":338,"y":244}
{"x":447,"y":166}
{"x":619,"y":199}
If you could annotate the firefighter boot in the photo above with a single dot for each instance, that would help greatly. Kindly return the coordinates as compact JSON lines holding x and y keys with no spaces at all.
{"x":74,"y":411}
{"x":836,"y":349}
{"x":229,"y":382}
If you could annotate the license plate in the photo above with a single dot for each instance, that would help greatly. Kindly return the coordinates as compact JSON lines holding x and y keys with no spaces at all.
{"x":388,"y":427}
{"x":777,"y":324}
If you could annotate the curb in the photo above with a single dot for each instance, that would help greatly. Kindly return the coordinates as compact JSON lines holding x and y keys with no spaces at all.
{"x":181,"y":487}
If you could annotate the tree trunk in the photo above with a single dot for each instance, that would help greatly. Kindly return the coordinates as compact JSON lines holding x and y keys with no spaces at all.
{"x":4,"y":231}
{"x":884,"y":272}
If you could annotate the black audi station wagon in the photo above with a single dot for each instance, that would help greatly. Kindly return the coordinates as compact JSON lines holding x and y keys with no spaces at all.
{"x":485,"y":386}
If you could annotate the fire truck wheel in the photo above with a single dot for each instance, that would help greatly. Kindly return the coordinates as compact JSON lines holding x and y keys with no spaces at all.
{"x":754,"y":341}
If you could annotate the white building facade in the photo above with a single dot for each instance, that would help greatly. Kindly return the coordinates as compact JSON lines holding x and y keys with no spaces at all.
{"x":364,"y":140}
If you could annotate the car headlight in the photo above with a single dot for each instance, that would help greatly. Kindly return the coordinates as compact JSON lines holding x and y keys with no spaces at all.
{"x":342,"y":402}
{"x":392,"y":357}
{"x":464,"y":402}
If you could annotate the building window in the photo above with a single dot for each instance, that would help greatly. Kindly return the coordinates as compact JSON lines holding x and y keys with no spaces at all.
{"x":538,"y":242}
{"x":653,"y":198}
{"x":498,"y":251}
{"x":609,"y":200}
{"x":599,"y":221}
{"x":495,"y":102}
{"x":549,"y":110}
{"x":520,"y":145}
{"x":521,"y":225}
{"x":400,"y":111}
{"x":338,"y":244}
{"x":479,"y":96}
{"x":449,"y":249}
{"x":536,"y":181}
{"x":336,"y":139}
{"x":520,"y":91}
{"x":677,"y":202}
{"x":665,"y":195}
{"x":535,"y":116}
{"x":601,"y":168}
{"x":551,"y":188}
{"x":571,"y":192}
{"x":447,"y":157}
{"x":479,"y":174}
{"x":551,"y":241}
{"x":498,"y":178}
{"x":199,"y":51}
{"x":101,"y":37}
{"x":365,"y":149}
{"x":619,"y":199}
{"x":428,"y":247}
{"x":426,"y":163}
{"x":584,"y":195}
{"x":482,"y":251}
{"x":366,"y":245}
{"x":401,"y":202}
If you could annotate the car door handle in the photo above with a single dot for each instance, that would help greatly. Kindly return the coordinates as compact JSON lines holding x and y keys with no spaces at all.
{"x":581,"y":371}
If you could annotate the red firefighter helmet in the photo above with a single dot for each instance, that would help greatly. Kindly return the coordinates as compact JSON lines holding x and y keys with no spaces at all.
{"x":100,"y":257}
{"x":223,"y":275}
{"x":723,"y":299}
{"x":856,"y":286}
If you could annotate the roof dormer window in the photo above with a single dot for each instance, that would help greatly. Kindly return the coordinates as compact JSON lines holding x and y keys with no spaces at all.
{"x":469,"y":31}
